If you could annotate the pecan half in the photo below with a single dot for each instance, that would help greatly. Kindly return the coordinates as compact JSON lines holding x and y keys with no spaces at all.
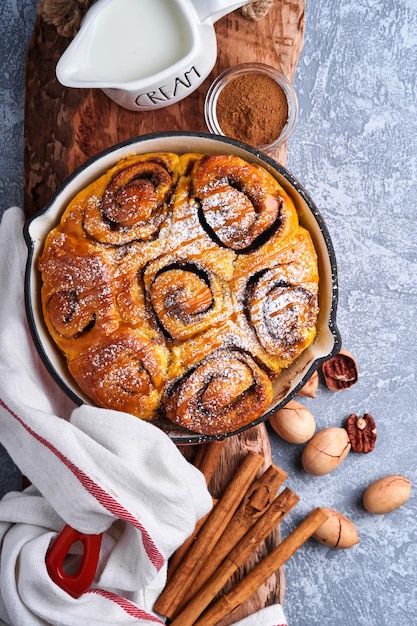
{"x":361,"y":432}
{"x":340,"y":371}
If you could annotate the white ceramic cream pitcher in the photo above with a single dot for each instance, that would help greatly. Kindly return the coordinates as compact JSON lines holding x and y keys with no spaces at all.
{"x":144,"y":54}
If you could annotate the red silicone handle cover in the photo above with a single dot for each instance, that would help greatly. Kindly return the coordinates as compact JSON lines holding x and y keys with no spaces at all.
{"x":74,"y":584}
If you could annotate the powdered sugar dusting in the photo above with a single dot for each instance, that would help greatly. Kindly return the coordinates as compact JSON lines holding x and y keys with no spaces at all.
{"x":187,"y":304}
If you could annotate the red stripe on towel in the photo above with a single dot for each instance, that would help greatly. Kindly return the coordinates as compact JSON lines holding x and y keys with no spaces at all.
{"x":129,"y":607}
{"x":105,"y":499}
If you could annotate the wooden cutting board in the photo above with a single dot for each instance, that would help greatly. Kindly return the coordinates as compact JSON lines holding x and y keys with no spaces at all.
{"x":65,"y":127}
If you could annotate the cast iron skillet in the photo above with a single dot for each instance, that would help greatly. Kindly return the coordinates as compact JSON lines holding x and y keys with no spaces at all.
{"x":328,"y":339}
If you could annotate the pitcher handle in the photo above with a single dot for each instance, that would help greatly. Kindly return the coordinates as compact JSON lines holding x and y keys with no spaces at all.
{"x":212,"y":10}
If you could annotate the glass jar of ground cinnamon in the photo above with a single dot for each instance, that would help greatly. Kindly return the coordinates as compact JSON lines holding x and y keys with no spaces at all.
{"x":253,"y":103}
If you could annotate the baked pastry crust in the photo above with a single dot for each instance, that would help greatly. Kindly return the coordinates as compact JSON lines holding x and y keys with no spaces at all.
{"x":181,"y":285}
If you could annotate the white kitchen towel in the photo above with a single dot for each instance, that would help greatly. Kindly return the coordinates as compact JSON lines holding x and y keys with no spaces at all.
{"x":95,"y":469}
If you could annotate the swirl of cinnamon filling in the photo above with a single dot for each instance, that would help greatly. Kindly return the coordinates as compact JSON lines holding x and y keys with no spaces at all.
{"x":283,"y":314}
{"x":186,"y":298}
{"x":77,"y":296}
{"x":69,"y":314}
{"x":240,"y":202}
{"x":124,"y":372}
{"x":222,"y":394}
{"x":134,"y":203}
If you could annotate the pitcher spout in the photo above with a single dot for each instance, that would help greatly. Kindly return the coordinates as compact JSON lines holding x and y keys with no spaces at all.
{"x":212,"y":10}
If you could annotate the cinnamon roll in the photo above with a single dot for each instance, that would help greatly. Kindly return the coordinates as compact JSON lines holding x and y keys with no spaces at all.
{"x":279,"y":297}
{"x":220,"y":394}
{"x":241,"y":203}
{"x":180,"y":286}
{"x":187,"y":297}
{"x":125,"y":371}
{"x":78,"y":300}
{"x":134,"y":202}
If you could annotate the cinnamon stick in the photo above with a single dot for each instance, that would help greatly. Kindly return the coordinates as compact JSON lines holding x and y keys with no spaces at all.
{"x":281,"y":506}
{"x":261,"y":572}
{"x":171,"y":597}
{"x":207,"y":457}
{"x":256,"y":502}
{"x":205,"y":460}
{"x":180,"y":553}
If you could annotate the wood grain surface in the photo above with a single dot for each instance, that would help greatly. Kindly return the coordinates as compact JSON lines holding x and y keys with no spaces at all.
{"x":273,"y":590}
{"x":65,"y":127}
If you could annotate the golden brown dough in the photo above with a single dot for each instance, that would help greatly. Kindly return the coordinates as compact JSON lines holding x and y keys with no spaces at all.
{"x":181,"y":285}
{"x":124,"y":371}
{"x":218,"y":394}
{"x":134,"y":203}
{"x":240,"y":203}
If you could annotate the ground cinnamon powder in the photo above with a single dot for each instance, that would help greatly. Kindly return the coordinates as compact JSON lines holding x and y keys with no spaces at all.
{"x":252,"y":108}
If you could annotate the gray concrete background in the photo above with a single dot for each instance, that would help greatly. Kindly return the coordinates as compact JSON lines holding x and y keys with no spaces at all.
{"x":354,"y":149}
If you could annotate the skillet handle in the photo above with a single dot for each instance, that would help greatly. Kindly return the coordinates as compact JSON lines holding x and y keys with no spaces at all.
{"x":74,"y":584}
